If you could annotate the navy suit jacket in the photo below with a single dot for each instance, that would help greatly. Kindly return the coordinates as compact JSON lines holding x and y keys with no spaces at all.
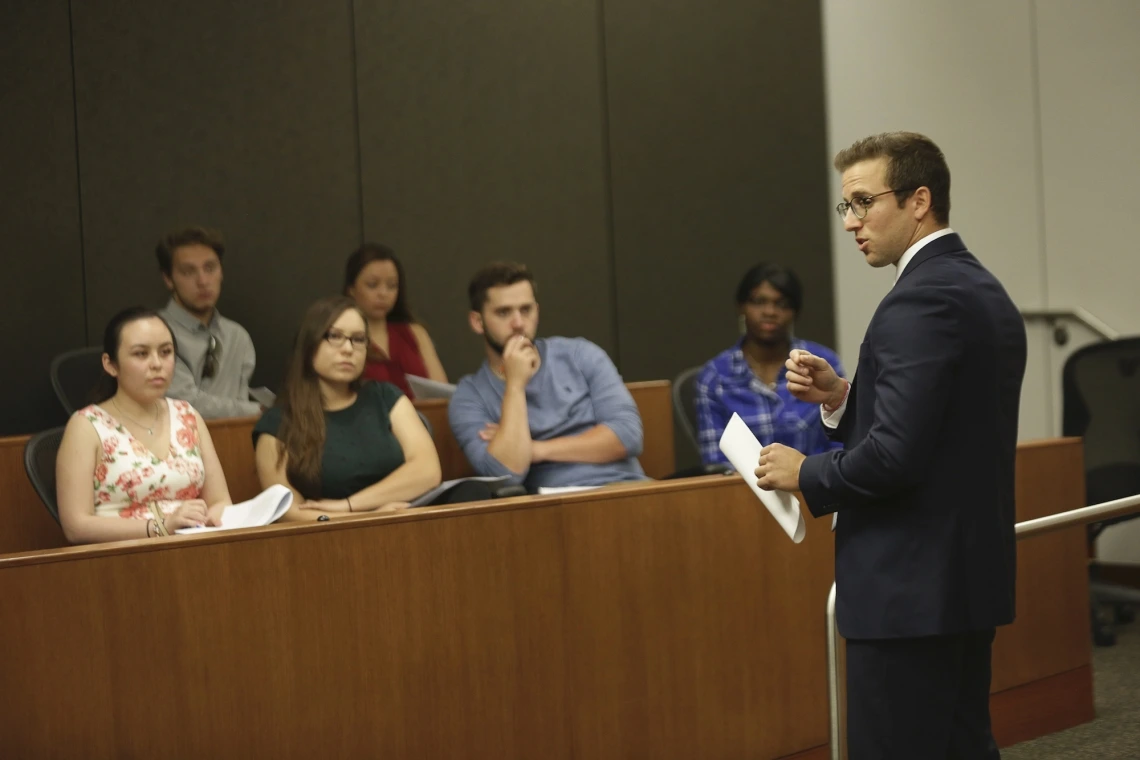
{"x":924,"y":543}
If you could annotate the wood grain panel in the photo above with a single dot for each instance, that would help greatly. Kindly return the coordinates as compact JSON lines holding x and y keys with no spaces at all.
{"x":655,"y":403}
{"x":666,"y":620}
{"x":27,"y":525}
{"x":233,"y":440}
{"x":1043,"y":706}
{"x":422,"y":638}
{"x":1051,"y":632}
{"x":452,"y":461}
{"x":715,"y":615}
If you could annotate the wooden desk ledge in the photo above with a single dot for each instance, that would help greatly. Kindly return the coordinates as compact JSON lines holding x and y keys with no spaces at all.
{"x":616,"y":491}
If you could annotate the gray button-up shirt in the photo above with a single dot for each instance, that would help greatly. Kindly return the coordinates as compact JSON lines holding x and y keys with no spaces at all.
{"x":226,"y":394}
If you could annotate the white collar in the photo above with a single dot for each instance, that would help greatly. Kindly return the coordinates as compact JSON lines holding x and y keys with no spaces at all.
{"x":909,"y":253}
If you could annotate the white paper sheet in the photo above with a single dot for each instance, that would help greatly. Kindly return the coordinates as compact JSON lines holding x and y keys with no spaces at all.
{"x":424,"y":388}
{"x":743,"y":450}
{"x":547,"y":490}
{"x":263,"y":509}
{"x":263,"y":396}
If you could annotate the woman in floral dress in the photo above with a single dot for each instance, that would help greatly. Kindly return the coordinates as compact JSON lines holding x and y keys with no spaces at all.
{"x":137,"y":456}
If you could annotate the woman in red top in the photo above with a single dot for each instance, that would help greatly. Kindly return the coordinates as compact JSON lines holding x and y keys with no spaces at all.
{"x":374,"y":278}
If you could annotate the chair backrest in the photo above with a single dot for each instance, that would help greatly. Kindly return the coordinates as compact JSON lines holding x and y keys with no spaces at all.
{"x":39,"y":461}
{"x":1101,"y":403}
{"x":685,"y":402}
{"x":74,"y":375}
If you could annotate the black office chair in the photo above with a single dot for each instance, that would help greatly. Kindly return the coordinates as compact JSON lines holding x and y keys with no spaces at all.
{"x":39,"y":462}
{"x":74,"y":375}
{"x":685,"y":403}
{"x":1101,"y":403}
{"x":684,"y":392}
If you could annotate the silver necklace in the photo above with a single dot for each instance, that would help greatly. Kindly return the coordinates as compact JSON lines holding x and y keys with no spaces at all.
{"x":149,"y":430}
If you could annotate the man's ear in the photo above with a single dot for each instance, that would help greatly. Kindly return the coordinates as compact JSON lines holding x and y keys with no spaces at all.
{"x":922,"y":202}
{"x":168,"y":282}
{"x":475,"y":319}
{"x":109,"y":366}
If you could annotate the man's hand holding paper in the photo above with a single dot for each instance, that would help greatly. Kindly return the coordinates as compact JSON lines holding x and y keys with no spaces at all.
{"x":779,"y":468}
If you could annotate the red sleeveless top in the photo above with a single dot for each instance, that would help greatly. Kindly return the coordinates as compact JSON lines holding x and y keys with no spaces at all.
{"x":403,"y":359}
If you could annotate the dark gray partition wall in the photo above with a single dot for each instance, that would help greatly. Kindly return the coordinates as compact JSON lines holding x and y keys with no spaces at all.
{"x":482,"y":138}
{"x":717,"y":129}
{"x":235,"y":115}
{"x":638,"y":156}
{"x":41,"y":285}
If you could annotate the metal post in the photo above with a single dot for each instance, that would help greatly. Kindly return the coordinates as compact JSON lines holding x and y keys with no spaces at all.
{"x":834,"y":711}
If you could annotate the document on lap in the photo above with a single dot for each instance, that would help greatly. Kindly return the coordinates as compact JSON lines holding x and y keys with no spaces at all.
{"x":743,"y":451}
{"x":263,"y":509}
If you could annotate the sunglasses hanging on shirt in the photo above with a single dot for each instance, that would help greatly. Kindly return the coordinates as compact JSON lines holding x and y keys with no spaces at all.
{"x":210,"y":367}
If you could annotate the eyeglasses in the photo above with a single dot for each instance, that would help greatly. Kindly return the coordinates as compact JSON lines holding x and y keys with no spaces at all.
{"x":210,"y":368}
{"x":782,"y":304}
{"x":336,"y":339}
{"x":860,"y":205}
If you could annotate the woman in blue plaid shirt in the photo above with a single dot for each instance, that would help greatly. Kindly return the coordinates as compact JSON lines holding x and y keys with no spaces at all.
{"x":749,"y":378}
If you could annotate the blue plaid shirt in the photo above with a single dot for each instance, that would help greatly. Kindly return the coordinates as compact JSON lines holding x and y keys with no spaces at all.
{"x":727,"y":384}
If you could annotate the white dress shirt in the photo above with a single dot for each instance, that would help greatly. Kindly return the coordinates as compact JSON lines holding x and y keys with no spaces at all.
{"x":831,"y":419}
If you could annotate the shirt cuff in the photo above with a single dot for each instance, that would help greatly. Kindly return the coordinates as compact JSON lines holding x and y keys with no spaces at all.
{"x":831,"y":419}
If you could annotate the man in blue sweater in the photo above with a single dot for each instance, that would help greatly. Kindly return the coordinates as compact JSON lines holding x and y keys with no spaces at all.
{"x":547,"y":412}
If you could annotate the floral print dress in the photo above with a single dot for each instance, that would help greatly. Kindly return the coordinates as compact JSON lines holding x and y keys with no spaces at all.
{"x":129,"y":477}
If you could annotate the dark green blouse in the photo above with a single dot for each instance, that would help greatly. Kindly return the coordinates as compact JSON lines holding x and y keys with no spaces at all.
{"x":360,"y":447}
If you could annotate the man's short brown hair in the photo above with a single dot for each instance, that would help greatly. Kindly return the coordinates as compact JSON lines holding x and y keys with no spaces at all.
{"x":913,"y":161}
{"x":497,"y":275}
{"x":171,"y":242}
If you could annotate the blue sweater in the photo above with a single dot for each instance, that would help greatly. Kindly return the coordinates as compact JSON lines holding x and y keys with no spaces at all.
{"x":576,"y":388}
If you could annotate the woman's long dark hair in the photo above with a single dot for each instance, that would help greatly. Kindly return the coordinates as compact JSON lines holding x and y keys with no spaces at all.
{"x":302,"y":432}
{"x":365,"y":255}
{"x":107,"y":386}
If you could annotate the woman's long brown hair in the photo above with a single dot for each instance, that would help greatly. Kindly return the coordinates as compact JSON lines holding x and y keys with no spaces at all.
{"x":302,"y":432}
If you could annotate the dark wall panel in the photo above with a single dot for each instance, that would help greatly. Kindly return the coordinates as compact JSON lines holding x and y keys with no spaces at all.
{"x":234,"y":115}
{"x":482,"y":138}
{"x":719,"y":150}
{"x":42,"y":284}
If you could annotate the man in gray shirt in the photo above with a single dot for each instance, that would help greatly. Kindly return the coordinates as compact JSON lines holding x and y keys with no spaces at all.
{"x":546,"y":412}
{"x":215,"y":355}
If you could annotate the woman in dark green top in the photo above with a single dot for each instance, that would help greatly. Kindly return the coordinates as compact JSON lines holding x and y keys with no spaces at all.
{"x":342,"y":447}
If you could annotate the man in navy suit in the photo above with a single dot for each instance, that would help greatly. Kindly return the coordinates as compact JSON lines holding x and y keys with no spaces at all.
{"x":925,"y":557}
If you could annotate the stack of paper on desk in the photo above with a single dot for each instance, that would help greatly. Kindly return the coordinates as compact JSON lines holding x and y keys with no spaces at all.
{"x":263,"y":509}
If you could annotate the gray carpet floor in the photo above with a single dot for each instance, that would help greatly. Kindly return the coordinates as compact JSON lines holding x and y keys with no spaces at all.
{"x":1115,"y":734}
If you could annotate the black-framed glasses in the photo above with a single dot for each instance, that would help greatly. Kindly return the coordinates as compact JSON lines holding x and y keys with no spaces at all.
{"x":860,"y":205}
{"x":336,"y":339}
{"x":210,"y":367}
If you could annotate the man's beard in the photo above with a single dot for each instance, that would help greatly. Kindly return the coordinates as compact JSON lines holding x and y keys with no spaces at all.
{"x":498,"y":347}
{"x":495,"y":345}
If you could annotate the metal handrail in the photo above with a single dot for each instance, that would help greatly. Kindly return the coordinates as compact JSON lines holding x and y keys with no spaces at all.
{"x":1027,"y":529}
{"x":1084,"y":316}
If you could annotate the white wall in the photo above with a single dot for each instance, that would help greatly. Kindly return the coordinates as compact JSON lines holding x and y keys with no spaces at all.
{"x":1036,"y":104}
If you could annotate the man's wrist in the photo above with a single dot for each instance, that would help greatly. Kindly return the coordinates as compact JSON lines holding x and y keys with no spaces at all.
{"x":537,"y":451}
{"x":833,"y":405}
